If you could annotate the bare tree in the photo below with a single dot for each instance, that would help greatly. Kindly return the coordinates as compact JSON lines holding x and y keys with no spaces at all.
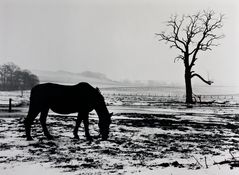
{"x":7,"y":75}
{"x":191,"y":34}
{"x":13,"y":78}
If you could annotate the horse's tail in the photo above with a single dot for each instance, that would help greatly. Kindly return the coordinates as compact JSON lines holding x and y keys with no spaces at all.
{"x":33,"y":100}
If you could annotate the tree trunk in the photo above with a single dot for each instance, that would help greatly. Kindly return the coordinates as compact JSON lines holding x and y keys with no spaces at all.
{"x":188,"y":84}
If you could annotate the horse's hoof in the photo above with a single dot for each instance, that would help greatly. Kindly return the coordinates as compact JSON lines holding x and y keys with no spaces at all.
{"x":104,"y":138}
{"x":76,"y":137}
{"x":50,"y":137}
{"x":29,"y":139}
{"x":90,"y":139}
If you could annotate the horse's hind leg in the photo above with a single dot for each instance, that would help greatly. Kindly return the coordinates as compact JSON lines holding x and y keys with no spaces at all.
{"x":32,"y":114}
{"x":43,"y":117}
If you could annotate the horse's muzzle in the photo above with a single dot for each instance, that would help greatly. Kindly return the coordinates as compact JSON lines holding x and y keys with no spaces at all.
{"x":104,"y":138}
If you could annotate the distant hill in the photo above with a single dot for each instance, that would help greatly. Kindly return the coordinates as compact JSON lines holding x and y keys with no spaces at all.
{"x":64,"y":77}
{"x":94,"y":78}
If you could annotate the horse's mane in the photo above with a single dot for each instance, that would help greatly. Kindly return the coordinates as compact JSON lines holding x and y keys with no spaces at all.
{"x":98,"y":89}
{"x":99,"y":92}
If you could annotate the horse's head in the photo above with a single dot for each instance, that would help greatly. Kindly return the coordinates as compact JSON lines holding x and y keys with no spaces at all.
{"x":104,"y":126}
{"x":104,"y":116}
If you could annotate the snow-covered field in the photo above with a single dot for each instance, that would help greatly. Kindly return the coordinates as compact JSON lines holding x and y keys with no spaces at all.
{"x":149,"y":135}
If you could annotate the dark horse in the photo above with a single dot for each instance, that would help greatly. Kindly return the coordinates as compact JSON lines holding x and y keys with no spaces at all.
{"x":81,"y":98}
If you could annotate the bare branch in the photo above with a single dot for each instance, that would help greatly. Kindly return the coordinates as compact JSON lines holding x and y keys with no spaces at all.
{"x":199,"y":76}
{"x":179,"y":57}
{"x":192,"y":29}
{"x":193,"y":33}
{"x":170,"y":39}
{"x":209,"y":24}
{"x":173,"y":37}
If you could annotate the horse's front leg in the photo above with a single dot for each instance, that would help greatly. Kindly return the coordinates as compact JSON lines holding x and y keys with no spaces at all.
{"x":78,"y":122}
{"x":43,"y":117}
{"x":86,"y":125}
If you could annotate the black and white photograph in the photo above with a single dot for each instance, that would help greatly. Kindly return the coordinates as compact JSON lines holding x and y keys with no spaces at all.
{"x":121,"y":87}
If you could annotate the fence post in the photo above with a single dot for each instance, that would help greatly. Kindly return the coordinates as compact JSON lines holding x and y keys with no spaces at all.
{"x":10,"y":105}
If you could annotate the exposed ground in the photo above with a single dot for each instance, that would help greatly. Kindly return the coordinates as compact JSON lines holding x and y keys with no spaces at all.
{"x":149,"y":135}
{"x":159,"y":140}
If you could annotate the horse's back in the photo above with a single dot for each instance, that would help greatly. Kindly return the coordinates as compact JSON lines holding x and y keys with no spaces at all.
{"x":51,"y":89}
{"x":62,"y":98}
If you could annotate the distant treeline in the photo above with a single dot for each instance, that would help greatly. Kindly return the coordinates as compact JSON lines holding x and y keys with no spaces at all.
{"x":12,"y":77}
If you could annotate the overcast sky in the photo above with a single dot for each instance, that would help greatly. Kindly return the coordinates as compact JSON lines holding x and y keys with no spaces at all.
{"x":116,"y":38}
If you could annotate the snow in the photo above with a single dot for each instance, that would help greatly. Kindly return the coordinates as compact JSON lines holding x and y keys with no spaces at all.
{"x":145,"y":138}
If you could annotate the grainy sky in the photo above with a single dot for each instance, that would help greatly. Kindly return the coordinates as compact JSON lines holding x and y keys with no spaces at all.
{"x":116,"y":38}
